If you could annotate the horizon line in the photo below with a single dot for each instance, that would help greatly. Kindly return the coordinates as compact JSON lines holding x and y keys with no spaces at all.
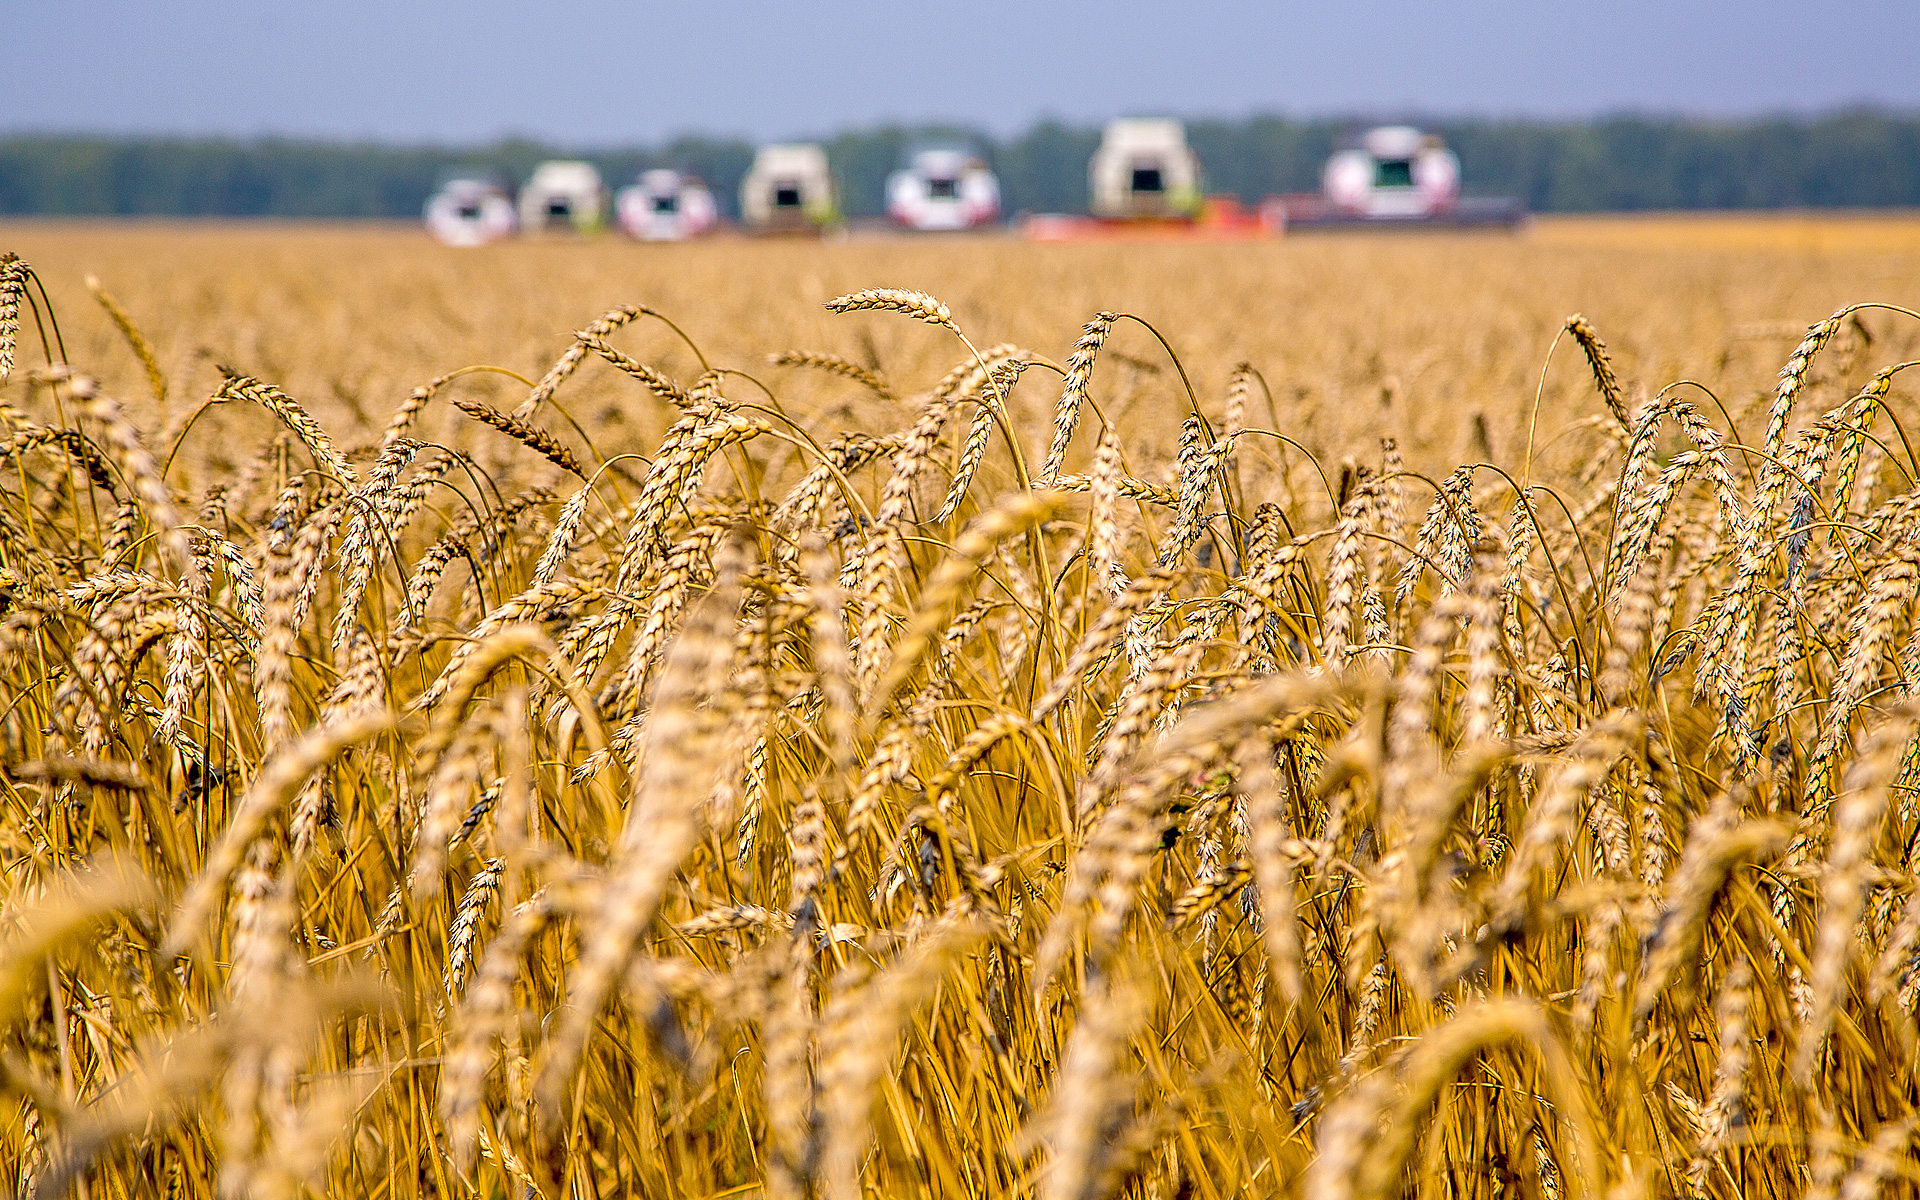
{"x":1383,"y":115}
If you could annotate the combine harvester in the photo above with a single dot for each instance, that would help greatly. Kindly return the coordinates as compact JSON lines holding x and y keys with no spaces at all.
{"x":942,"y":189}
{"x":1145,"y":184}
{"x":666,"y":206}
{"x":1395,"y":178}
{"x":789,"y":190}
{"x":1144,"y":171}
{"x":469,"y":209}
{"x":563,"y":197}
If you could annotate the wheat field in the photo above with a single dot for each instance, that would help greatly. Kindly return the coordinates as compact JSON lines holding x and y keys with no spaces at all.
{"x":1346,"y":718}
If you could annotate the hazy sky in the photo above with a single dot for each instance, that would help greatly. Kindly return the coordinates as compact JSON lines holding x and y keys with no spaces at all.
{"x":584,"y":72}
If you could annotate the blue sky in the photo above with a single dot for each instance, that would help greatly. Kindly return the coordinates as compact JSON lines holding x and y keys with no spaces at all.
{"x":584,"y":72}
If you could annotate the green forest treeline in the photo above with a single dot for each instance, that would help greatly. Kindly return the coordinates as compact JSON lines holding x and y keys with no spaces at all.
{"x":1859,"y":158}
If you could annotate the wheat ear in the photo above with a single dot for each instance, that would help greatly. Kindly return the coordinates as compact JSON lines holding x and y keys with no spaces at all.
{"x":237,"y":386}
{"x":536,"y":439}
{"x":1073,"y":393}
{"x":833,"y":364}
{"x":918,"y":305}
{"x":13,"y":288}
{"x":1596,"y":351}
{"x":142,"y":348}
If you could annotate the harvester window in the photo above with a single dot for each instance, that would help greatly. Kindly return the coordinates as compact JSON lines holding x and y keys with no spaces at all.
{"x":666,"y":204}
{"x":1393,"y":173}
{"x":943,"y":189}
{"x":1147,"y":179}
{"x":786,"y":195}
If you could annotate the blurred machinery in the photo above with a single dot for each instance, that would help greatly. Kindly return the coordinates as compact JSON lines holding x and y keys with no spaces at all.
{"x":1144,"y":169}
{"x":1395,"y":175}
{"x":666,"y":206}
{"x":943,"y":188}
{"x":1395,"y":171}
{"x":788,"y":190}
{"x":563,"y":197}
{"x":469,"y":210}
{"x":1145,"y":183}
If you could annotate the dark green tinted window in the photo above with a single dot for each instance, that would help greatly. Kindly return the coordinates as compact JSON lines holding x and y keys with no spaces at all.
{"x":1393,"y":172}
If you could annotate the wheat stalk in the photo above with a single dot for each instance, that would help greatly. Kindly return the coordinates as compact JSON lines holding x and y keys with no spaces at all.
{"x":665,"y":825}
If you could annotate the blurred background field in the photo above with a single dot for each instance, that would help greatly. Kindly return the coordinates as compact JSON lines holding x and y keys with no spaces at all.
{"x":1437,"y":338}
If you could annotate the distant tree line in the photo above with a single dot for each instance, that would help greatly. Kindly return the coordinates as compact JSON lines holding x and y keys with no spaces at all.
{"x":1854,"y":158}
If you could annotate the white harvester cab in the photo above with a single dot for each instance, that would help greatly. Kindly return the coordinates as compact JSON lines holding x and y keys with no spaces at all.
{"x":1395,"y":172}
{"x":788,"y":188}
{"x":563,"y":197}
{"x":666,"y":206}
{"x":943,"y":189}
{"x":469,"y":210}
{"x":1144,"y":169}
